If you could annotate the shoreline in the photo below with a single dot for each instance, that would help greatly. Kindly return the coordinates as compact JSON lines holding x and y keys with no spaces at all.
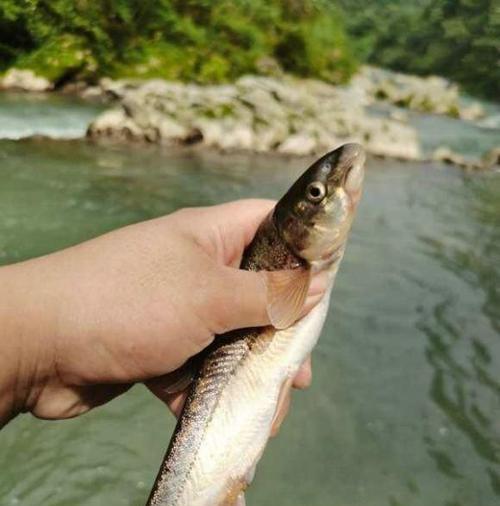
{"x":200,"y":150}
{"x":286,"y":116}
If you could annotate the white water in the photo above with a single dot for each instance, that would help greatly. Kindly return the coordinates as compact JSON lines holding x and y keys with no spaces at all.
{"x":58,"y":117}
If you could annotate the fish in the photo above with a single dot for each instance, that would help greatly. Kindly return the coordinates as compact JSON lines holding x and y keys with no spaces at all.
{"x":241,"y":379}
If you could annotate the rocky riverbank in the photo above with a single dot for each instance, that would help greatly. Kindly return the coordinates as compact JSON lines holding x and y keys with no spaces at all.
{"x":280,"y":114}
{"x":431,"y":94}
{"x":287,"y":115}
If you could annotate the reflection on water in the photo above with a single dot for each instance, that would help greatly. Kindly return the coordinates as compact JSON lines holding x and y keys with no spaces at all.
{"x":465,"y":384}
{"x":405,"y":405}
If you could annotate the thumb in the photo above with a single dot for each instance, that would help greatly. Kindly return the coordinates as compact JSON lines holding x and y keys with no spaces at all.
{"x":244,"y":299}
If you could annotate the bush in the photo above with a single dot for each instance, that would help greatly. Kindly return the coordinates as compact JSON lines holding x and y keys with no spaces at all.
{"x":59,"y":59}
{"x":458,"y":39}
{"x":200,"y":40}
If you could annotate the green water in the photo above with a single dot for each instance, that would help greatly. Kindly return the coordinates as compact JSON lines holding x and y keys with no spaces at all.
{"x":60,"y":116}
{"x":405,"y":405}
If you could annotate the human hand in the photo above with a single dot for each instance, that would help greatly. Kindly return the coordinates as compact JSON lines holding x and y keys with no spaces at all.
{"x":130,"y":306}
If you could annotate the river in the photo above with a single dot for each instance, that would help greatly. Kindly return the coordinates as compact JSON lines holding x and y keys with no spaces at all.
{"x":405,"y":405}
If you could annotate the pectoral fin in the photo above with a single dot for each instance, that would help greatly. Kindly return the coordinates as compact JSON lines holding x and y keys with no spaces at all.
{"x":287,"y":292}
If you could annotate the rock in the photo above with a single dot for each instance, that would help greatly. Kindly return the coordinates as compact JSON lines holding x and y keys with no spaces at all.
{"x":491,"y":158}
{"x":384,"y":137}
{"x":298,"y":144}
{"x":211,"y":131}
{"x":116,"y":89}
{"x":239,"y":137}
{"x":114,"y":124}
{"x":399,"y":115}
{"x":447,"y":155}
{"x":171,"y":130}
{"x":269,"y":135}
{"x":472,"y":112}
{"x":74,"y":88}
{"x":289,"y":115}
{"x":268,"y":66}
{"x":92,"y":93}
{"x":25,"y":80}
{"x":430,"y":94}
{"x":492,"y":122}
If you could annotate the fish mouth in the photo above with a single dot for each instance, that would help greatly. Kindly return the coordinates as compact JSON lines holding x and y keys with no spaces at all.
{"x":351,"y":167}
{"x":352,"y":152}
{"x":344,"y":159}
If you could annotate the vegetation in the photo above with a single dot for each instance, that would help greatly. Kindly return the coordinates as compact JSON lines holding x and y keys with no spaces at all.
{"x":218,"y":40}
{"x":201,"y":40}
{"x":459,"y":39}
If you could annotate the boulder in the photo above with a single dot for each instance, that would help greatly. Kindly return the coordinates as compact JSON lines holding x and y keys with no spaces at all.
{"x":383,"y":137}
{"x":491,"y":158}
{"x":431,"y":94}
{"x":446,"y":155}
{"x":299,"y":144}
{"x":25,"y":80}
{"x":238,"y":137}
{"x":114,"y":124}
{"x":289,"y":115}
{"x":472,"y":112}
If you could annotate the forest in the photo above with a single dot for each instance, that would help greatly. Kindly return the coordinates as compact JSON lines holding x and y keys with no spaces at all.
{"x":210,"y":41}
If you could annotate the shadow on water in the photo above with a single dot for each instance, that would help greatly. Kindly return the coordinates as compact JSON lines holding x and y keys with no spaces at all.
{"x":463,"y":352}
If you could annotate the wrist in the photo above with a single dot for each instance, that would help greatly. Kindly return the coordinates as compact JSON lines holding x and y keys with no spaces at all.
{"x":25,"y":339}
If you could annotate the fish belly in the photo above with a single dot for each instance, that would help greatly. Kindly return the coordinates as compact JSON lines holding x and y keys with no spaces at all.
{"x":237,"y":433}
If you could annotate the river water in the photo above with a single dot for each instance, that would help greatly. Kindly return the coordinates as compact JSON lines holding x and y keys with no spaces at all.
{"x":405,"y":405}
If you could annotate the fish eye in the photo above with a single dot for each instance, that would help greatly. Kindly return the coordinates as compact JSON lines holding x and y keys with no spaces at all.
{"x":315,"y":192}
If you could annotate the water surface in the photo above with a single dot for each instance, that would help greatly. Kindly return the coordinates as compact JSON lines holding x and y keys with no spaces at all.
{"x":405,"y":405}
{"x":58,"y":116}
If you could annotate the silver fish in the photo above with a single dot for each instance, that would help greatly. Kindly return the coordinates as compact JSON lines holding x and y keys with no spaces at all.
{"x":228,"y":415}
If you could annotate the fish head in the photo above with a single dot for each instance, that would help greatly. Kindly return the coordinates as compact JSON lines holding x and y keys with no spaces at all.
{"x":315,"y":215}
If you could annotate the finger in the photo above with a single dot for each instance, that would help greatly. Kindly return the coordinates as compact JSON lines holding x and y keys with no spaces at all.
{"x":175,"y":402}
{"x":101,"y":394}
{"x":225,"y":230}
{"x":319,"y":283}
{"x":242,"y":299}
{"x":72,"y":401}
{"x":240,"y":218}
{"x":303,"y":378}
{"x":317,"y":288}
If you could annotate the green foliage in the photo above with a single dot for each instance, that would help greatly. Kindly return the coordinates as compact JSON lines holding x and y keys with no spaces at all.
{"x":59,"y":58}
{"x":218,"y":40}
{"x":459,"y":39}
{"x":14,"y":33}
{"x":201,"y":40}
